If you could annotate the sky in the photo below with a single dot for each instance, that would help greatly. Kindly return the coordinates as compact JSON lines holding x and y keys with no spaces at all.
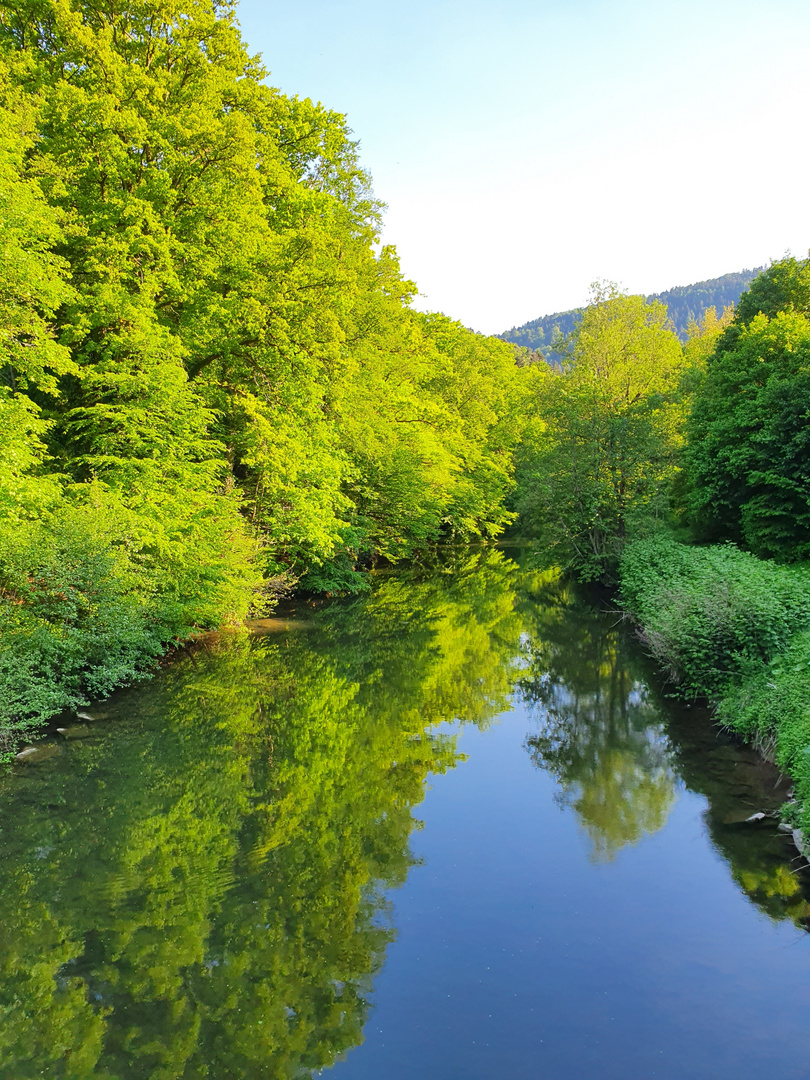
{"x":527,"y":149}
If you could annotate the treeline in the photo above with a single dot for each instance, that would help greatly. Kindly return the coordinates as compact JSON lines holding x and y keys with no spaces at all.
{"x":686,"y":306}
{"x":636,"y":432}
{"x":212,"y":381}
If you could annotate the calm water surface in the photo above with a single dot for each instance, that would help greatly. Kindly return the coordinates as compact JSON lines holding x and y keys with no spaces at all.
{"x":449,"y":830}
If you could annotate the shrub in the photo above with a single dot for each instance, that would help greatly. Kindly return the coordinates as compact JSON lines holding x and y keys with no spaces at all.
{"x":72,"y":624}
{"x":771,"y":707}
{"x":711,"y":614}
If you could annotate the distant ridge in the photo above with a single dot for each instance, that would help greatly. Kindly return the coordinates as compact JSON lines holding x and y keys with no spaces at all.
{"x":684,"y":302}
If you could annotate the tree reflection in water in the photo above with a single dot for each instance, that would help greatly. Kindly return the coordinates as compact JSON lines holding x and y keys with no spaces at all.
{"x":598,"y":732}
{"x":199,"y":888}
{"x":619,"y":749}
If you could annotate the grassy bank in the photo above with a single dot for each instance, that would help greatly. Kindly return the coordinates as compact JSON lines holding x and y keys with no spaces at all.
{"x":734,"y":629}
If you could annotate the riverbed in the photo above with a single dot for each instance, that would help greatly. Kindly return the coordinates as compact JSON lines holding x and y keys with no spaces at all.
{"x":452,"y":829}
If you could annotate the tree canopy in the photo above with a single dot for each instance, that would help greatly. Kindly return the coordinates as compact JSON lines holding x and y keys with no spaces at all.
{"x":749,"y":436}
{"x":212,"y":377}
{"x":601,"y":452}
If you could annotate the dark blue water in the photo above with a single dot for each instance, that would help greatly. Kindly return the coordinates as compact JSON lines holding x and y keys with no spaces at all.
{"x":450,"y":830}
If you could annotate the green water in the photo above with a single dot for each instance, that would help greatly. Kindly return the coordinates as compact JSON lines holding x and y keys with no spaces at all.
{"x":201,"y":881}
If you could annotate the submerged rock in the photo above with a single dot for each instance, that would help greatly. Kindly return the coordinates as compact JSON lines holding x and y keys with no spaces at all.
{"x":31,"y":755}
{"x":78,"y":731}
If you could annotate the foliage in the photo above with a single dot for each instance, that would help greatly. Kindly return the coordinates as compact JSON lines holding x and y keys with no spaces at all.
{"x":201,"y":338}
{"x":32,"y":287}
{"x":77,"y":618}
{"x":596,"y":465}
{"x":732,"y":628}
{"x":546,"y":334}
{"x":334,"y":577}
{"x":687,"y":304}
{"x":770,"y":706}
{"x":709,"y":613}
{"x":747,"y":459}
{"x":783,"y":286}
{"x":702,"y":336}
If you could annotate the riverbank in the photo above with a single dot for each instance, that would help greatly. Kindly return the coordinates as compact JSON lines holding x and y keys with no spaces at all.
{"x":732,"y":629}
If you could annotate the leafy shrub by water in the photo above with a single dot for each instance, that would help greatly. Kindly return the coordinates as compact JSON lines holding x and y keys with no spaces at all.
{"x":711,"y":614}
{"x":335,"y":577}
{"x":771,"y":707}
{"x":78,"y":618}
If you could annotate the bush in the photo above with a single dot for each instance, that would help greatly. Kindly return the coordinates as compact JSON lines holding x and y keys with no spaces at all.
{"x":771,"y":707}
{"x":710,"y":615}
{"x":335,"y":577}
{"x":72,"y":624}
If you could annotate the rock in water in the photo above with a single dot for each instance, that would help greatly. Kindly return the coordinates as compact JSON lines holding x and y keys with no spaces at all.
{"x":78,"y":731}
{"x":34,"y":754}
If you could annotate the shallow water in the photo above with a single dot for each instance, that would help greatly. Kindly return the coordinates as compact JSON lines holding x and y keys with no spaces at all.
{"x":449,"y":830}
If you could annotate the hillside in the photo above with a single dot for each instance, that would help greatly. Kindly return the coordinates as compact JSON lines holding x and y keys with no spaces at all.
{"x":684,"y":302}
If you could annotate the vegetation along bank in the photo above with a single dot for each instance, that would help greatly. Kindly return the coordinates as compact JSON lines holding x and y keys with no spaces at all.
{"x":214,"y":387}
{"x":213,"y":383}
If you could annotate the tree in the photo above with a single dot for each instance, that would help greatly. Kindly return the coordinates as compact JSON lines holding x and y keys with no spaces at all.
{"x":748,"y":458}
{"x":702,"y":337}
{"x":32,"y":288}
{"x":784,"y":286}
{"x":602,"y":452}
{"x":208,"y":367}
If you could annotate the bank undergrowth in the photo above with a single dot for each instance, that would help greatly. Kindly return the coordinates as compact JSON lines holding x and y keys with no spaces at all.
{"x":733,"y":629}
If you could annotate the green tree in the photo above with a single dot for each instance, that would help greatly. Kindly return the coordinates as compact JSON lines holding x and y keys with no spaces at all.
{"x":32,"y":288}
{"x":600,"y":458}
{"x":206,"y":360}
{"x":747,"y":457}
{"x":784,"y":286}
{"x":702,"y":336}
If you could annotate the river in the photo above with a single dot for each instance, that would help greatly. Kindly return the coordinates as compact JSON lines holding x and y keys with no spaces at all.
{"x":450,"y":830}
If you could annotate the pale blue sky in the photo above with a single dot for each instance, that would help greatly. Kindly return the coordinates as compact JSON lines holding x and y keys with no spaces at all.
{"x":525,"y":149}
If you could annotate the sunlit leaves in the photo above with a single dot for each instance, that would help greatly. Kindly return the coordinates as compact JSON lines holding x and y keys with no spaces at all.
{"x":597,"y":462}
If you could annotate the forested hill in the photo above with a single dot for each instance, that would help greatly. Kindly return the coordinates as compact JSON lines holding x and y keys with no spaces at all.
{"x":685,"y":303}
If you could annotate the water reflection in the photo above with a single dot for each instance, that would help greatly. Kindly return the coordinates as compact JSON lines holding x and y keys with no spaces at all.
{"x":197,"y":887}
{"x":738,"y":783}
{"x":620,"y":749}
{"x":598,"y":731}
